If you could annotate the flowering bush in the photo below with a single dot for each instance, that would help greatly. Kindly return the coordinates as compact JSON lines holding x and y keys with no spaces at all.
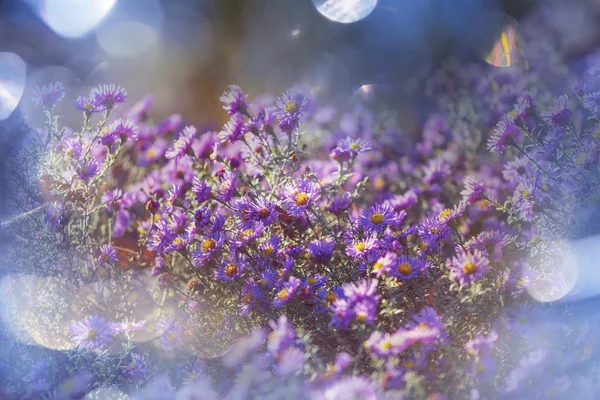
{"x":295,"y":254}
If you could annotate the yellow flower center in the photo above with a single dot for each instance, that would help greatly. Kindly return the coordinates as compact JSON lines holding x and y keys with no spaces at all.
{"x":469,"y":268}
{"x":246,"y":234}
{"x":331,"y":297}
{"x":291,"y":107}
{"x":360,"y":246}
{"x":88,"y":106}
{"x":404,"y":268}
{"x":105,"y":258}
{"x":91,"y":334}
{"x":408,"y":364}
{"x":268,"y":251}
{"x":355,"y":146}
{"x":446,"y":213}
{"x":231,"y":270}
{"x":361,"y":316}
{"x":69,"y":153}
{"x":377,"y":266}
{"x":377,"y":218}
{"x":282,"y":294}
{"x":386,"y":345}
{"x":178,"y":241}
{"x":311,"y":281}
{"x":480,"y":368}
{"x":301,"y":199}
{"x":580,"y":160}
{"x":151,"y":153}
{"x":208,"y":245}
{"x":247,"y":299}
{"x":264,"y":283}
{"x":525,"y":194}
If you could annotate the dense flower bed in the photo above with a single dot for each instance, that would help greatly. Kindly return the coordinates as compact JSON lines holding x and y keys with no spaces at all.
{"x":298,"y":253}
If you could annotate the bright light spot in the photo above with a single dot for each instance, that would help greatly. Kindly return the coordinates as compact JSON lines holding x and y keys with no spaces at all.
{"x":566,"y":274}
{"x":74,"y":18}
{"x":295,"y":32}
{"x":506,"y":47}
{"x":12,"y":82}
{"x":126,"y":38}
{"x":108,"y":393}
{"x":345,"y":11}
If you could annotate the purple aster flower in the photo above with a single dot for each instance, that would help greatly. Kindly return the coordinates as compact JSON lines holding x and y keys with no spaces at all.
{"x":355,"y":146}
{"x":129,"y":326}
{"x":340,"y":154}
{"x":201,"y":190}
{"x":282,"y":335}
{"x":232,"y":268}
{"x":49,"y":95}
{"x":321,"y":251}
{"x":183,"y":143}
{"x":380,"y":344}
{"x":384,"y":265}
{"x":252,"y":295}
{"x":354,"y":387}
{"x":122,"y":220}
{"x":264,"y":211}
{"x":88,"y":169}
{"x":108,"y":255}
{"x":482,"y":344}
{"x":407,"y":267}
{"x":502,"y":135}
{"x":363,"y":248}
{"x":427,"y":317}
{"x":124,"y":129}
{"x":234,"y":129}
{"x":492,"y":242}
{"x":558,"y":114}
{"x":137,"y":367}
{"x":299,"y":195}
{"x":436,"y":171}
{"x":209,"y":245}
{"x":169,"y":125}
{"x":364,"y":289}
{"x":179,"y":170}
{"x":289,"y":108}
{"x":339,"y":204}
{"x":110,"y":199}
{"x":91,"y":333}
{"x":522,"y":106}
{"x":365,"y":311}
{"x":152,"y":152}
{"x":226,"y":187}
{"x":171,"y":334}
{"x":72,"y":148}
{"x":473,"y":191}
{"x":172,"y":196}
{"x":432,"y":230}
{"x":514,"y":170}
{"x":523,"y":199}
{"x":469,"y":266}
{"x":377,"y":218}
{"x":202,"y":217}
{"x":450,"y":214}
{"x":138,"y":112}
{"x":343,"y":315}
{"x":234,"y":100}
{"x":161,"y":237}
{"x":108,"y":95}
{"x":591,"y":100}
{"x":107,"y":136}
{"x":287,"y":292}
{"x":88,"y":105}
{"x":404,"y":201}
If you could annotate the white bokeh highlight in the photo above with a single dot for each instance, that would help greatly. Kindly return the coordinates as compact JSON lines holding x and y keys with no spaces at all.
{"x":345,"y":11}
{"x":74,"y":18}
{"x":13,"y":72}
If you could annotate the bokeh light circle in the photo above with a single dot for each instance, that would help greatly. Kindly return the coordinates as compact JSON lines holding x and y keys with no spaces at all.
{"x":345,"y":11}
{"x":12,"y":82}
{"x":74,"y":18}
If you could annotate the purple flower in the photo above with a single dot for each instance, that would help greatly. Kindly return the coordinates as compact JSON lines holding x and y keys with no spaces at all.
{"x":339,"y":204}
{"x":321,"y":251}
{"x":108,"y":95}
{"x":355,"y":146}
{"x":129,"y":326}
{"x":482,"y":344}
{"x":161,"y":237}
{"x":502,"y":135}
{"x":88,"y":169}
{"x":91,"y":333}
{"x":124,"y":129}
{"x":557,"y":114}
{"x":287,"y":292}
{"x":298,"y":196}
{"x":49,"y":95}
{"x":522,"y":106}
{"x":138,"y":112}
{"x":137,"y":367}
{"x":407,"y":267}
{"x":436,"y":171}
{"x":289,"y":108}
{"x":249,"y":212}
{"x":450,"y":214}
{"x":473,"y":191}
{"x":469,"y":266}
{"x":234,"y":129}
{"x":172,"y":196}
{"x":591,"y":100}
{"x":171,"y":334}
{"x":282,"y":336}
{"x":234,"y":100}
{"x":153,"y":152}
{"x":350,"y":388}
{"x":73,"y":148}
{"x":88,"y":105}
{"x":202,"y":217}
{"x":362,"y":290}
{"x":226,"y":187}
{"x":179,"y":170}
{"x":492,"y":242}
{"x":377,"y":218}
{"x":209,"y":245}
{"x":523,"y":199}
{"x":201,"y":190}
{"x":183,"y":143}
{"x":108,"y":255}
{"x":231,"y":269}
{"x":363,"y":248}
{"x":343,"y":314}
{"x":251,"y":296}
{"x":110,"y":199}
